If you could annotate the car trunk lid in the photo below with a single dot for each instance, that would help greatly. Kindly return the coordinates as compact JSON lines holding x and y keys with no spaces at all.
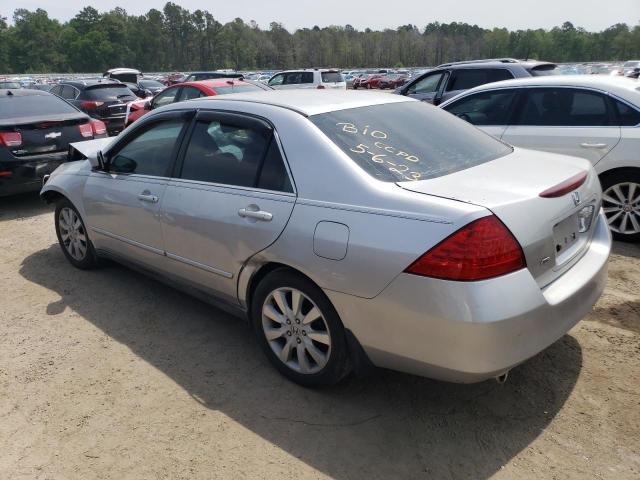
{"x":42,"y":135}
{"x":548,"y":229}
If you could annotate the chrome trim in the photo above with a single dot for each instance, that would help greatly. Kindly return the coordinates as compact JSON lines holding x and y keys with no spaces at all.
{"x":199,"y":265}
{"x":128,"y":241}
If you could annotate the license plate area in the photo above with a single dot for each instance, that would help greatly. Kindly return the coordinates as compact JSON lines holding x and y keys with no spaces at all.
{"x":567,"y":238}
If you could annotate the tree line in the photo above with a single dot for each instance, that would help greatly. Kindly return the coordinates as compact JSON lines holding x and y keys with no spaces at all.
{"x":177,"y":39}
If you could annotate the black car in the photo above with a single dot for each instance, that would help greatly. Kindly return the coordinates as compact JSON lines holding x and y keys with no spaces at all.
{"x":145,"y":87}
{"x":103,"y":99}
{"x":449,"y":79}
{"x":195,"y":76}
{"x":35,"y":131}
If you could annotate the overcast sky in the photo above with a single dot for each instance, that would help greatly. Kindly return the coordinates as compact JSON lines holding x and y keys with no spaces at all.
{"x":593,"y":15}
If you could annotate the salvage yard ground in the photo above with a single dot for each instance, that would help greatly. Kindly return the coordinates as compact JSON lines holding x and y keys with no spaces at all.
{"x":109,"y":374}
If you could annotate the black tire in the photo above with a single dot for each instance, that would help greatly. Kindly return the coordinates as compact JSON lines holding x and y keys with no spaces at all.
{"x":622,"y":177}
{"x":338,"y":364}
{"x":87,"y":261}
{"x":355,"y":87}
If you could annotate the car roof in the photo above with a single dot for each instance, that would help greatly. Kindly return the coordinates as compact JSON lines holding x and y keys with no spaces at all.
{"x":494,"y":63}
{"x":310,"y":101}
{"x":21,"y":92}
{"x":627,"y":88}
{"x":83,"y":83}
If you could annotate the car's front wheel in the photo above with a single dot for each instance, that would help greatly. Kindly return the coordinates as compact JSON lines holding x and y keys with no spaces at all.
{"x":299,"y":329}
{"x":72,"y":236}
{"x":621,"y":203}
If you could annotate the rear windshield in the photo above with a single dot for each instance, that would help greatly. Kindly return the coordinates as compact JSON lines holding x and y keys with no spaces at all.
{"x":544,"y":70}
{"x":236,"y":89}
{"x":107,"y":91}
{"x":34,"y":105}
{"x":329,"y":77}
{"x":397,"y":142}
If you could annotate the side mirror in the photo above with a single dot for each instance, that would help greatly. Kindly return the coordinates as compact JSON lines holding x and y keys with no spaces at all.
{"x":147,"y":105}
{"x":98,"y":163}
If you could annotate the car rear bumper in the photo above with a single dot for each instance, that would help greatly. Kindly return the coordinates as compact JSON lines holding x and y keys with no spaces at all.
{"x":472,"y":331}
{"x":26,"y":173}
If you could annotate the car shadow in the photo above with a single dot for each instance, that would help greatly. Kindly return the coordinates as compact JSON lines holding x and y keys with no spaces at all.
{"x":22,"y":206}
{"x":386,"y":425}
{"x":626,"y":249}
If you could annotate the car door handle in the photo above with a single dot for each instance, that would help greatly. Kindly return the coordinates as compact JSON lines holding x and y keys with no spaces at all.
{"x":593,"y":145}
{"x":255,"y":214}
{"x":148,"y":198}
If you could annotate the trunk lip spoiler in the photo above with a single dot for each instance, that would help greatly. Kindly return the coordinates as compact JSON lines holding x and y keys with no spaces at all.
{"x":566,"y":186}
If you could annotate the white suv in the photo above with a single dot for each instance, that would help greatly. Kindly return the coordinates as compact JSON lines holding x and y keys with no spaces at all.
{"x":307,"y":79}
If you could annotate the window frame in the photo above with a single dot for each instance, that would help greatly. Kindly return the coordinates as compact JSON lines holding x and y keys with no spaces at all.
{"x":444,"y":78}
{"x":616,"y":115}
{"x":518,"y":110}
{"x":212,"y":115}
{"x":185,"y":115}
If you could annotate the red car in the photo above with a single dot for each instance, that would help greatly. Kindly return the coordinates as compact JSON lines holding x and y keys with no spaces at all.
{"x":392,"y":80}
{"x":368,"y":81}
{"x":187,"y":91}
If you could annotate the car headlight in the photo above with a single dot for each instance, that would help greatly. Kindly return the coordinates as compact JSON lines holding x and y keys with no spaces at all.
{"x":585,"y":217}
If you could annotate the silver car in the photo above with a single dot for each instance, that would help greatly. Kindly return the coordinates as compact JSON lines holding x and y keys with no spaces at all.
{"x":349,"y":228}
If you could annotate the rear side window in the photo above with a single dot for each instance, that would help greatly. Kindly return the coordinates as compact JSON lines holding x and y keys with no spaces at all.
{"x":222,"y":153}
{"x":236,"y":89}
{"x":273,"y":175}
{"x":464,"y":79}
{"x":188,"y":93}
{"x":485,"y":108}
{"x":107,"y":92}
{"x":150,"y":152}
{"x":330,"y":77}
{"x":564,"y":107}
{"x":165,"y":97}
{"x":397,"y":142}
{"x":294,"y":78}
{"x":627,"y":116}
{"x":34,"y":105}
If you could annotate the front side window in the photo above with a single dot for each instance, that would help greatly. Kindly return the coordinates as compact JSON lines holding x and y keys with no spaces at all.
{"x":150,"y":152}
{"x":397,"y":142}
{"x":165,"y":98}
{"x":277,"y":79}
{"x":484,"y":108}
{"x":568,"y":107}
{"x":428,"y":84}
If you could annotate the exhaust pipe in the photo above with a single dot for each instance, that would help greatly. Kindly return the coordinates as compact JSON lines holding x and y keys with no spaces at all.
{"x":502,"y":379}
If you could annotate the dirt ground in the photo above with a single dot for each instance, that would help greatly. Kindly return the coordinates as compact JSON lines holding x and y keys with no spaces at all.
{"x":109,"y":374}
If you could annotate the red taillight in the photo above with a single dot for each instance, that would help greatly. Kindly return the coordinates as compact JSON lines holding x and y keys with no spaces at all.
{"x":86,"y":130}
{"x":91,"y":105}
{"x":320,"y":87}
{"x":98,"y":126}
{"x":5,"y":173}
{"x":565,"y":187}
{"x":482,"y":249}
{"x":11,"y":139}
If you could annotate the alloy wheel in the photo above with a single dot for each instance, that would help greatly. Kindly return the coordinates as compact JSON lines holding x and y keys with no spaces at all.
{"x":296,"y":330}
{"x":621,"y":205}
{"x":72,"y":234}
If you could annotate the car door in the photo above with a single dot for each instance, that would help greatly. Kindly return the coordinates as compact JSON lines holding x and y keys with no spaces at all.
{"x":427,"y":87}
{"x":122,"y":202}
{"x":488,"y":110}
{"x":566,"y":120}
{"x":230,"y":198}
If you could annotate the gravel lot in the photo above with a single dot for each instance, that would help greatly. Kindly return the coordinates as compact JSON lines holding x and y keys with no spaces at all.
{"x":109,"y":374}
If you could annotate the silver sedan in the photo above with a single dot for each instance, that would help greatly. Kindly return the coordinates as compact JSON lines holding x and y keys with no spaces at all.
{"x":349,"y":229}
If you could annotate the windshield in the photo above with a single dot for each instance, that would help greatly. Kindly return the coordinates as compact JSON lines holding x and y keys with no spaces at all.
{"x":34,"y":105}
{"x":396,"y":142}
{"x":151,"y":84}
{"x":11,"y":85}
